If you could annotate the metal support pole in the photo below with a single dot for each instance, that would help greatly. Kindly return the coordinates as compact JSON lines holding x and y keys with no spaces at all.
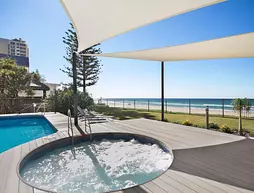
{"x":114,"y":103}
{"x":34,"y":105}
{"x":44,"y":94}
{"x":134,"y":104}
{"x":207,"y":117}
{"x":18,"y":102}
{"x":162,"y":91}
{"x":166,"y":106}
{"x":107,"y":102}
{"x":222,"y":107}
{"x":189,"y":107}
{"x":84,"y":74}
{"x":148,"y":103}
{"x":75,"y":99}
{"x":55,"y":98}
{"x":123,"y":104}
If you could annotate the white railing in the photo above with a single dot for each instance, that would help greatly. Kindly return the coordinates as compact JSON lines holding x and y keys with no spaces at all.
{"x":39,"y":107}
{"x":85,"y":116}
{"x":32,"y":105}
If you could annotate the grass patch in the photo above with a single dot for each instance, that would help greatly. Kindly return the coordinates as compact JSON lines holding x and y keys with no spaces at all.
{"x":196,"y":120}
{"x":123,"y":114}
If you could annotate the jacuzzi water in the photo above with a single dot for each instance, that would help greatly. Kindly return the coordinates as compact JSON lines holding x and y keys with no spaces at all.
{"x":95,"y":167}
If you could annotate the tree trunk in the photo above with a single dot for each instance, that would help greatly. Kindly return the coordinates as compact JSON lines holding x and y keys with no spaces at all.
{"x":240,"y":123}
{"x":84,"y":75}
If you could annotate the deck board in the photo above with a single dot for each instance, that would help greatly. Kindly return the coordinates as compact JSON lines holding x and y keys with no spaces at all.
{"x":142,"y":189}
{"x":156,"y":187}
{"x":12,"y":182}
{"x":192,"y":183}
{"x":32,"y":145}
{"x":39,"y":142}
{"x":5,"y":168}
{"x":23,"y":188}
{"x":171,"y":182}
{"x":204,"y":161}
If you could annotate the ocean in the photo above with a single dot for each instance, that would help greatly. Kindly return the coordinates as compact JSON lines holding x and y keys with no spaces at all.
{"x":194,"y":103}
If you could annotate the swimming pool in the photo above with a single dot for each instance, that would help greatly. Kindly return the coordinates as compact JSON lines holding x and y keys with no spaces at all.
{"x":111,"y":162}
{"x":18,"y":129}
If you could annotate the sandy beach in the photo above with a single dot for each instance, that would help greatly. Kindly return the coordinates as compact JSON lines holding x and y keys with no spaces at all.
{"x":172,"y":109}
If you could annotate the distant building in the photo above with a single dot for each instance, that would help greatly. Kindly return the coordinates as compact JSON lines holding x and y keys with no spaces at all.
{"x":52,"y":87}
{"x":41,"y":90}
{"x":20,"y":60}
{"x":16,"y":49}
{"x":4,"y":46}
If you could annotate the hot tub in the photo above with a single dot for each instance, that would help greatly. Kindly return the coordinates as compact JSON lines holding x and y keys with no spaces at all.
{"x":111,"y":162}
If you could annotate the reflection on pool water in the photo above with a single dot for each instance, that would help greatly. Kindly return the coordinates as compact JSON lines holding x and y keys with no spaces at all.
{"x":100,"y":166}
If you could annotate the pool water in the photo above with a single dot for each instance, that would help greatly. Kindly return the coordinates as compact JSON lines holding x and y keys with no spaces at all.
{"x":100,"y":166}
{"x":15,"y":130}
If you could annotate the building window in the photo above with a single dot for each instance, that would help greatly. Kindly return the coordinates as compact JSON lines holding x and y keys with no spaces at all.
{"x":13,"y":43}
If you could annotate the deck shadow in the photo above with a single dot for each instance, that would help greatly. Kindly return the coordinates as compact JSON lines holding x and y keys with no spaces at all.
{"x":80,"y":130}
{"x":230,"y":163}
{"x":136,"y":189}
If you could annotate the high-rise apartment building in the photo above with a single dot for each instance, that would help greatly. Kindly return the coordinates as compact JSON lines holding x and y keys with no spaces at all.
{"x":16,"y":49}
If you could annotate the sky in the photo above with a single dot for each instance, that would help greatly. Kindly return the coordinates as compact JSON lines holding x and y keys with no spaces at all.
{"x":42,"y":24}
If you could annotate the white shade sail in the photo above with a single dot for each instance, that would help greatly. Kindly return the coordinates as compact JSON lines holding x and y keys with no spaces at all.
{"x":98,"y":20}
{"x":239,"y":46}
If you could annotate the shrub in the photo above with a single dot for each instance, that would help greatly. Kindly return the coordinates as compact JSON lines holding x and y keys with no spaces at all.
{"x":175,"y":122}
{"x":251,"y":133}
{"x":64,"y":100}
{"x":187,"y":123}
{"x":226,"y":129}
{"x":214,"y":126}
{"x":248,"y":132}
{"x":165,"y":120}
{"x":245,"y":131}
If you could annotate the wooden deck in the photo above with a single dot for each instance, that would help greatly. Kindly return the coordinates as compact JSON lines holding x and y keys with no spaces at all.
{"x":204,"y":161}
